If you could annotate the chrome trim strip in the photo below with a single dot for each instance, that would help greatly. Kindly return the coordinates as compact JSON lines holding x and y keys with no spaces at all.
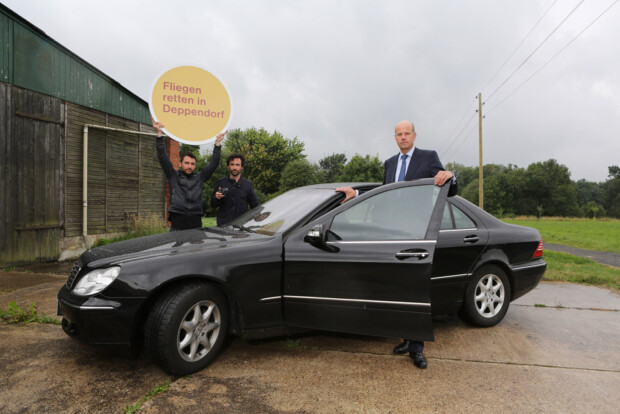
{"x":466,"y":229}
{"x":86,"y":307}
{"x":385,"y":302}
{"x":379,"y":241}
{"x":450,"y":276}
{"x":95,"y":307}
{"x":271,"y":299}
{"x":528,"y":266}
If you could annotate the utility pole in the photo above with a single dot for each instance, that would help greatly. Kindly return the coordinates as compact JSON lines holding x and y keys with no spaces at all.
{"x":480,"y":175}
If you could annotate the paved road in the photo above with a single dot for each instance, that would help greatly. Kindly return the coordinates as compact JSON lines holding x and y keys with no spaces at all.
{"x":608,"y":258}
{"x":555,"y":352}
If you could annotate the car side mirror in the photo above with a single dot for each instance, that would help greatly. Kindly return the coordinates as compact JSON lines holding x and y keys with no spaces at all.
{"x":316,"y":235}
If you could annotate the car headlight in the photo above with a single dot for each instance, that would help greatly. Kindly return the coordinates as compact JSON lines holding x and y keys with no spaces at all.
{"x":95,"y":281}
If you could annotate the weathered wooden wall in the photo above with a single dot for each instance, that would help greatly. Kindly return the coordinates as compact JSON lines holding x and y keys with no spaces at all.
{"x":124,"y":177}
{"x":32,"y":164}
{"x":41,"y":142}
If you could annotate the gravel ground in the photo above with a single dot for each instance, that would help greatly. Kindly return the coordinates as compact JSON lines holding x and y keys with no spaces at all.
{"x":608,"y":258}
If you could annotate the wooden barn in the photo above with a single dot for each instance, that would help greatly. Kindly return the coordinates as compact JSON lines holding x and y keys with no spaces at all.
{"x":77,"y":150}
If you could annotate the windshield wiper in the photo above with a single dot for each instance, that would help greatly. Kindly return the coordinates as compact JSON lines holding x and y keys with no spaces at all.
{"x":241,"y":227}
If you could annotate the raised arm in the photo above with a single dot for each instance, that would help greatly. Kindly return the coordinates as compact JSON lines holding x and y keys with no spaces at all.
{"x":162,"y":155}
{"x":215,"y":158}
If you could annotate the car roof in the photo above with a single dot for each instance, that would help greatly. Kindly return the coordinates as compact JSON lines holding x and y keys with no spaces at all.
{"x":333,"y":186}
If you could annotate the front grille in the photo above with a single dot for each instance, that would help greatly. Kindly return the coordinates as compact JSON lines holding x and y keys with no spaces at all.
{"x":74,"y":272}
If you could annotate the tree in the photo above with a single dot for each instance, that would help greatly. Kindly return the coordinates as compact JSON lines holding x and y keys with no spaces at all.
{"x":299,"y":173}
{"x":588,"y":191}
{"x":185,"y":148}
{"x":363,"y":169}
{"x":333,"y":166}
{"x":464,"y":175}
{"x":548,"y":186}
{"x":611,"y":192}
{"x":592,"y":210}
{"x":266,"y":155}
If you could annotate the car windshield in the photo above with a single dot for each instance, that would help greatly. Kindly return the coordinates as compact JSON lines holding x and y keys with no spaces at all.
{"x":279,"y":214}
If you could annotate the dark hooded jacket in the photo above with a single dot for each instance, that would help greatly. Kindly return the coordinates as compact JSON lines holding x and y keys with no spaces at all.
{"x":186,"y":190}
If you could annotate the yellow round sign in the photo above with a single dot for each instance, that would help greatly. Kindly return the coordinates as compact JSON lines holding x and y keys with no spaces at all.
{"x":193,"y":105}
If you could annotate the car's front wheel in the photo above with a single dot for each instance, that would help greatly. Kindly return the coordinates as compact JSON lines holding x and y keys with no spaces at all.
{"x":186,"y":328}
{"x":487,"y":297}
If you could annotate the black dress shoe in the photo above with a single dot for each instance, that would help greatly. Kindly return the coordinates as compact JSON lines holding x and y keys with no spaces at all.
{"x":402,"y":348}
{"x":418,"y":360}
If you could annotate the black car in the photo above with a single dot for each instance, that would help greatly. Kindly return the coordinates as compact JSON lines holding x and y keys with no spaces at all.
{"x":303,"y":260}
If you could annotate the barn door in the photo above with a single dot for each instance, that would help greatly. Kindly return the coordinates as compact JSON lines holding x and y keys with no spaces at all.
{"x":33,"y":177}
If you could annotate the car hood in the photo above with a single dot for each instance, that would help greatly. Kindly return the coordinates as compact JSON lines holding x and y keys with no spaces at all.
{"x":167,"y":243}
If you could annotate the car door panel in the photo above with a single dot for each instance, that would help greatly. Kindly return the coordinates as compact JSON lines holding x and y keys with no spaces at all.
{"x":374,"y":287}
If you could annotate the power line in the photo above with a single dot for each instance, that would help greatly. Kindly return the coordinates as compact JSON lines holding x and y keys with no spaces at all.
{"x":460,"y":133}
{"x":535,"y":50}
{"x":519,"y":45}
{"x":441,"y":150}
{"x":553,"y":57}
{"x":448,"y":155}
{"x":455,"y":127}
{"x":451,"y":151}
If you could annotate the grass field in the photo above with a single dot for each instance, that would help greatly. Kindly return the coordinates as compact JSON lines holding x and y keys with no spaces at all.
{"x":568,"y":268}
{"x":602,"y":234}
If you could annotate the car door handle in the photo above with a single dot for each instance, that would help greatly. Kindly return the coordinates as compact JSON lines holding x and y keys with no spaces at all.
{"x":471,"y":238}
{"x":406,"y":254}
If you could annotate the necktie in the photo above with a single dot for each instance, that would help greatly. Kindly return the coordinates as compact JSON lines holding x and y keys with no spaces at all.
{"x":403,"y":167}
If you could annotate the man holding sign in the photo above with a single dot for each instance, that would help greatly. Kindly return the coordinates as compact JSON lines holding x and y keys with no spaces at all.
{"x":196,"y":107}
{"x":185,"y":211}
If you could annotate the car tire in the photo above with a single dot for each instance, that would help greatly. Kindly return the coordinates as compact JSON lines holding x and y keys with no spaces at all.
{"x":186,"y":328}
{"x":487,"y":297}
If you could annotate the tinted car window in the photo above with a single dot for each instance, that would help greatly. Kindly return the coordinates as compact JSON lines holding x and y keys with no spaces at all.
{"x":461,"y":220}
{"x":399,"y":214}
{"x":279,"y":214}
{"x":446,"y":219}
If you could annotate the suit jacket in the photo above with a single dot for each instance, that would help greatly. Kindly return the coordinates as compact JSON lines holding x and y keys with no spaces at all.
{"x":423,"y":164}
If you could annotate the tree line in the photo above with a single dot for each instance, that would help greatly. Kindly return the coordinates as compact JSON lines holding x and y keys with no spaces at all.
{"x":276,"y":164}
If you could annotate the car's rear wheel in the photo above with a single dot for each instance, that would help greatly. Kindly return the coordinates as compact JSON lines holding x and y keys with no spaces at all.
{"x":487,"y":297}
{"x":186,"y":328}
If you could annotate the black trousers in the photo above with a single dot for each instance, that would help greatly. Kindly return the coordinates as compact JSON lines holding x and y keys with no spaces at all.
{"x":415,"y":346}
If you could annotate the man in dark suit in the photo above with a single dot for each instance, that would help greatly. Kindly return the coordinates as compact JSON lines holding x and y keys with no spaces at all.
{"x":411,"y":163}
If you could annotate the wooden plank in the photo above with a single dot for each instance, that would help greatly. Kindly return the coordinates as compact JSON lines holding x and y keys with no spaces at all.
{"x":33,"y":192}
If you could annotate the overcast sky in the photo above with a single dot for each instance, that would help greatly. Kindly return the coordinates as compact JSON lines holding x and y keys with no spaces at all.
{"x":338,"y":75}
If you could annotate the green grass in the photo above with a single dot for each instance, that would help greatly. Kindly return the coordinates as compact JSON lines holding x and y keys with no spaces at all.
{"x":140,"y":226}
{"x":160,"y":389}
{"x":593,"y":234}
{"x":568,"y":268}
{"x":14,"y":313}
{"x":209,"y":221}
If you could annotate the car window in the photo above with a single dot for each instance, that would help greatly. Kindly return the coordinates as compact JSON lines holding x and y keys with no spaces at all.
{"x":446,"y":219}
{"x":398,"y":214}
{"x":461,"y":220}
{"x":279,"y":214}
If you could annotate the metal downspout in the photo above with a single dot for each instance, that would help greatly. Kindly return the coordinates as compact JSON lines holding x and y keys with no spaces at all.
{"x":85,"y":185}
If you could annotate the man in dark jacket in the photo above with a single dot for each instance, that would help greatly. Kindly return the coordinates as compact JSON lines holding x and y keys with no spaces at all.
{"x":232,"y":194}
{"x":185,"y":211}
{"x":409,"y":164}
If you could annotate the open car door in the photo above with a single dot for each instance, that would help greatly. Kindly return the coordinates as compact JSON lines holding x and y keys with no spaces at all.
{"x":365,"y":267}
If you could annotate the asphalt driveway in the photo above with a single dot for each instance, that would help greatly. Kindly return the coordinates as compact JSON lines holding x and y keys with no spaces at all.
{"x":608,"y":258}
{"x":556,"y":351}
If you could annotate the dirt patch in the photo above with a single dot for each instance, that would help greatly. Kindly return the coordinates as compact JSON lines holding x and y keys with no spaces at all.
{"x":43,"y":370}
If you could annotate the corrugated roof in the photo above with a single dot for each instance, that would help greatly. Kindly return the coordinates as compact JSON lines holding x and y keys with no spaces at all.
{"x":32,"y":60}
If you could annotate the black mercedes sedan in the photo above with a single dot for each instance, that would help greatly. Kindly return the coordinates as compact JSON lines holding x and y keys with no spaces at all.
{"x":381,"y":264}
